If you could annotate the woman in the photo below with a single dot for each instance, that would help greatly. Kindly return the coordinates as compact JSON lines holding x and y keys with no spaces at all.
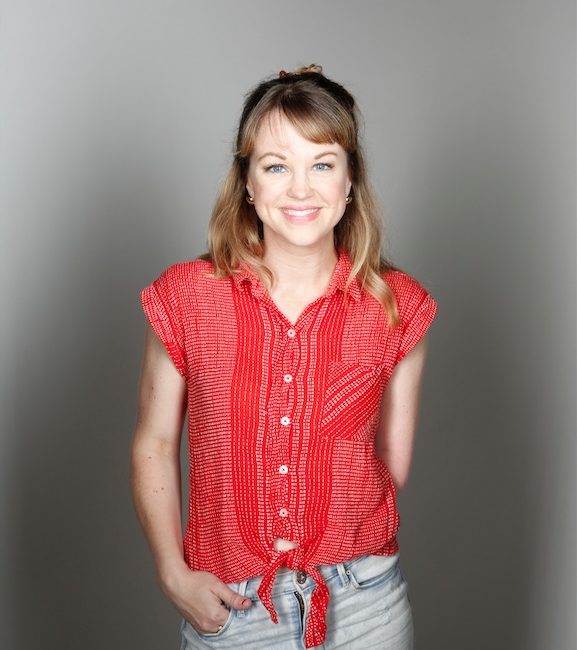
{"x":297,"y":353}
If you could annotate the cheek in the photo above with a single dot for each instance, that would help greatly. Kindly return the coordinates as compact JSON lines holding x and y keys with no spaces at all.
{"x":341,"y":187}
{"x":269,"y":188}
{"x":343,"y":179}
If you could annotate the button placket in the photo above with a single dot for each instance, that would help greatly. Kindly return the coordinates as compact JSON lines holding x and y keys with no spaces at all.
{"x":279,"y":459}
{"x":288,"y":393}
{"x":282,"y":492}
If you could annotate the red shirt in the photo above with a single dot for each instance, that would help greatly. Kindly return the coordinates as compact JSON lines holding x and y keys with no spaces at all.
{"x":282,"y":419}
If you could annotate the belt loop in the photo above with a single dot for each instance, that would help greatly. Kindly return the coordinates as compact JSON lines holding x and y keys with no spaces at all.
{"x":343,"y":574}
{"x":241,"y":613}
{"x":242,"y":587}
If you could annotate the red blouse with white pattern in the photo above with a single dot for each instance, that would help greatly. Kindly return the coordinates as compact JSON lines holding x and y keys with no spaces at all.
{"x":282,"y":419}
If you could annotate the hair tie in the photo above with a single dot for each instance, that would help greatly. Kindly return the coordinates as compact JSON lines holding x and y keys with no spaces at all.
{"x":313,"y":68}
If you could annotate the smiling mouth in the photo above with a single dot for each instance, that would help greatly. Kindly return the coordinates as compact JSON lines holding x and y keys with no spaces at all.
{"x":300,"y":213}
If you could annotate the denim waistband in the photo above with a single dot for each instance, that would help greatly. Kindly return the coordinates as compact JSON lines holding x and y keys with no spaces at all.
{"x":287,"y":581}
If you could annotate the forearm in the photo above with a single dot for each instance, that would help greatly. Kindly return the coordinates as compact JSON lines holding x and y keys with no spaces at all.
{"x":197,"y":595}
{"x":157,"y":500}
{"x":399,"y":414}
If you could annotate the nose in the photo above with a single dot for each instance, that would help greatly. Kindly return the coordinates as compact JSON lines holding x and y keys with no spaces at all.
{"x":300,"y":186}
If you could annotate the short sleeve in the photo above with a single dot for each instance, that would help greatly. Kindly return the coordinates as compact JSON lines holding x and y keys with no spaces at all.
{"x":417,"y":311}
{"x":160,"y":304}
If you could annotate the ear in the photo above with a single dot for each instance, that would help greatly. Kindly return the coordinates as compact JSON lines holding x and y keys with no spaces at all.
{"x":349,"y":186}
{"x":249,"y":188}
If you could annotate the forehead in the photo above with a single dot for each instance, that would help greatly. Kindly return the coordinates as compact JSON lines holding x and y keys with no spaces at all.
{"x":276,"y":131}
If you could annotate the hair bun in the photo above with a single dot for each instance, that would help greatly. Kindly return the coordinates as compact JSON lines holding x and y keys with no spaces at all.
{"x":313,"y":68}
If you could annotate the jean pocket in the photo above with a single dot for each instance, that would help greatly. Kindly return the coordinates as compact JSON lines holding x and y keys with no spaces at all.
{"x":189,"y":630}
{"x":373,"y":571}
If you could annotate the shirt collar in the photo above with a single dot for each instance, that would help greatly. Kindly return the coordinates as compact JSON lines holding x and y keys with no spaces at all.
{"x":341,"y":275}
{"x":245,"y":276}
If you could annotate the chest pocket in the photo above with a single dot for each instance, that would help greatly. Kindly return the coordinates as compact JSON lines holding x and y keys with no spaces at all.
{"x":352,"y":400}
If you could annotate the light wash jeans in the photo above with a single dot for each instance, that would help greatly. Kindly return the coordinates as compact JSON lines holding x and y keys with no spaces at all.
{"x":368,"y":609}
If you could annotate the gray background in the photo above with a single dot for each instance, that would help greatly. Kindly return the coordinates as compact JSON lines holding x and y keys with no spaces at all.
{"x":117,"y":119}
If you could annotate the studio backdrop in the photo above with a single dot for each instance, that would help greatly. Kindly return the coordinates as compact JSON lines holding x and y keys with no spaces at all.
{"x":116,"y":127}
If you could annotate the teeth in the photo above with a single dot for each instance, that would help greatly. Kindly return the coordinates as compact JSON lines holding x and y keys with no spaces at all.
{"x":300,"y":213}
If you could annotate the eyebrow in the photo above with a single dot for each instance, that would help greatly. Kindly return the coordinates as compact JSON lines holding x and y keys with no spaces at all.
{"x":280,"y":155}
{"x":271,"y":153}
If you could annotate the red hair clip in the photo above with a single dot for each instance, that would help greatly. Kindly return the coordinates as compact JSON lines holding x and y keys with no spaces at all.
{"x":282,"y":73}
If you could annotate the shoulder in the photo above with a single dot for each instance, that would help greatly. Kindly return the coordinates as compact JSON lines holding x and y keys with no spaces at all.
{"x":190,"y":277}
{"x":400,"y":282}
{"x":410,"y":295}
{"x":183,"y":273}
{"x":183,"y":282}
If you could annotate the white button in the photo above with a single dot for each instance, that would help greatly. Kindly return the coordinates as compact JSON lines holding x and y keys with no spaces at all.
{"x":283,"y":512}
{"x":285,"y":420}
{"x":291,"y":333}
{"x":283,"y":469}
{"x":288,"y":379}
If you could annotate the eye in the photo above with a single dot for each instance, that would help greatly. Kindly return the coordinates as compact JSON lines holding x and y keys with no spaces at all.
{"x":275,"y":169}
{"x":322,"y":166}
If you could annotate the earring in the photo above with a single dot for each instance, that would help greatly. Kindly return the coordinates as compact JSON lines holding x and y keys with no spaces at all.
{"x":250,"y":199}
{"x":348,"y":199}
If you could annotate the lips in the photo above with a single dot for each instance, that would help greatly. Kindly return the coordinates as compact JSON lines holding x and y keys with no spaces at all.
{"x":300,"y":215}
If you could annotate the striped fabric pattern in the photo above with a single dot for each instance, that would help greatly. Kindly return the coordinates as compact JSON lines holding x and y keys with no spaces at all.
{"x":282,"y":418}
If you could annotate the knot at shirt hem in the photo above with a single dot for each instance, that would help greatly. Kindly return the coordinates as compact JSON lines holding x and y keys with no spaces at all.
{"x":294,"y":559}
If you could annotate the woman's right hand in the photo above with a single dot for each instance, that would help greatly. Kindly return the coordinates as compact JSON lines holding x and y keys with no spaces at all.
{"x":201,"y":598}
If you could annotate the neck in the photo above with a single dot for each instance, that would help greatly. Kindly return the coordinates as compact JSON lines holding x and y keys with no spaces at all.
{"x":312,"y":268}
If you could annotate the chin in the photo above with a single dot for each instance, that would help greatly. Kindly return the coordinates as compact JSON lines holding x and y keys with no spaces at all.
{"x":312,"y":242}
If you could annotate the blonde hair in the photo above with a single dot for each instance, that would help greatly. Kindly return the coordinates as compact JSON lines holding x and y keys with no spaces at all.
{"x":322,"y":111}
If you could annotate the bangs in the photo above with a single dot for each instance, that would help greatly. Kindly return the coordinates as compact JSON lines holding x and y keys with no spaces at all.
{"x":320,"y":122}
{"x":317,"y":117}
